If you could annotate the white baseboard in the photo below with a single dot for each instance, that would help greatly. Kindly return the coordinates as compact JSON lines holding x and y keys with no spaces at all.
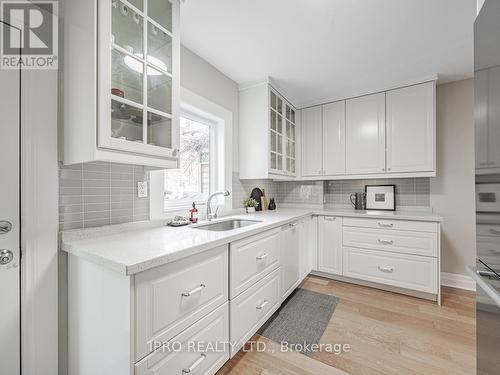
{"x":456,"y":280}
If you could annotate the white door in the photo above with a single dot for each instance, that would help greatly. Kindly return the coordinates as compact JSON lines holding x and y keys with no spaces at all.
{"x":410,"y":129}
{"x":311,"y":142}
{"x":9,"y":221}
{"x":493,"y":118}
{"x":365,"y":134}
{"x":290,"y":247}
{"x":330,"y":245}
{"x":334,"y":138}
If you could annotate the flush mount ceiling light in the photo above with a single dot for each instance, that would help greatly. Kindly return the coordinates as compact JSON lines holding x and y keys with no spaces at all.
{"x":138,"y":66}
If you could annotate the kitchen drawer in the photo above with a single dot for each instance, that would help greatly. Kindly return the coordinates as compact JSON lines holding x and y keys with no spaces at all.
{"x":170,"y":298}
{"x":416,"y":243}
{"x":252,"y":308}
{"x":399,"y":270}
{"x":253,"y":258}
{"x":417,"y":226}
{"x":193,"y":350}
{"x":488,"y":230}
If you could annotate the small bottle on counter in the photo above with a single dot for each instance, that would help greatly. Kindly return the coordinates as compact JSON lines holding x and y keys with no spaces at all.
{"x":193,"y":214}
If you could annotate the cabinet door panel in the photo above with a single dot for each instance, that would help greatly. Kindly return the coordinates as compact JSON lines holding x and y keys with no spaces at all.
{"x":365,"y":134}
{"x":494,"y":118}
{"x":330,"y":245}
{"x":410,"y":129}
{"x":290,"y":247}
{"x":481,"y":87}
{"x":334,"y":138}
{"x":311,"y":141}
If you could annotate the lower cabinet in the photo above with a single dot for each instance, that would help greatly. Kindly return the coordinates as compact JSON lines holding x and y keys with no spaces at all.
{"x":290,"y":256}
{"x":200,"y":349}
{"x":330,"y":244}
{"x":252,"y":308}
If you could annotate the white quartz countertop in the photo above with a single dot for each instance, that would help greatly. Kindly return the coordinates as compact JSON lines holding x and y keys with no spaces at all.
{"x":136,"y":247}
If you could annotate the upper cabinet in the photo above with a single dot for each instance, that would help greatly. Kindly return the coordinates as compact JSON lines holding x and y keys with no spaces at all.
{"x":121,"y":82}
{"x":388,"y":134}
{"x":487,"y":120}
{"x":268,"y":133}
{"x":365,"y":134}
{"x":410,"y":129}
{"x":323,"y":126}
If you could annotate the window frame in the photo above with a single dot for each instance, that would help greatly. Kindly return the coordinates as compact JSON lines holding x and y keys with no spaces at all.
{"x":196,"y":107}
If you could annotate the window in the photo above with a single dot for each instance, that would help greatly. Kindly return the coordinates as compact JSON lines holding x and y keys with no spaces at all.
{"x":193,"y":181}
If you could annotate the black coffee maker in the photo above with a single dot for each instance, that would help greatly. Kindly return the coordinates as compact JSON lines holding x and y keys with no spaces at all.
{"x":358,"y":201}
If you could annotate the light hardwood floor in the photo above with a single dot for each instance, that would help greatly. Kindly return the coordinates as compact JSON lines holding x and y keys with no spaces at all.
{"x":389,"y":334}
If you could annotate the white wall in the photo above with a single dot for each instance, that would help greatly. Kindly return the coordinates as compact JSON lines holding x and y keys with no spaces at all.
{"x":203,"y":79}
{"x":452,"y":191}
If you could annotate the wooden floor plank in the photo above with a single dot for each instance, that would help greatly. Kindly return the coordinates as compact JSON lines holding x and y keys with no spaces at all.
{"x":388,"y":334}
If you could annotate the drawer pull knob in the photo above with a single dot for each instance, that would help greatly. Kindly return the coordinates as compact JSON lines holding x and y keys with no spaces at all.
{"x":293,"y":224}
{"x":495,"y":231}
{"x":193,"y":367}
{"x":194,"y":291}
{"x":386,"y":269}
{"x":261,"y":257}
{"x":385,"y":225}
{"x":386,"y":242}
{"x":330,"y":218}
{"x":262,"y":305}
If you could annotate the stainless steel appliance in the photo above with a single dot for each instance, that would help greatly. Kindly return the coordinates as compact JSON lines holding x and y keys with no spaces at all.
{"x":486,"y":272}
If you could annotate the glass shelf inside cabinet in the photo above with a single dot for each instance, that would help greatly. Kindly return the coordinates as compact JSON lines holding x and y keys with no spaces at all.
{"x":126,"y":121}
{"x":126,"y":28}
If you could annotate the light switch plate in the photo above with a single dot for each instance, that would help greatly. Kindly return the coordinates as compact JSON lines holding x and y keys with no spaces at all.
{"x":142,"y":189}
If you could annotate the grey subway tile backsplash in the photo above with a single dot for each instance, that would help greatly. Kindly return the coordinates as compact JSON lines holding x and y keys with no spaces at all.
{"x":100,"y":193}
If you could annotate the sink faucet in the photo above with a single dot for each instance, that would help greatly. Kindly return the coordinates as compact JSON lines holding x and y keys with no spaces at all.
{"x":211,"y":215}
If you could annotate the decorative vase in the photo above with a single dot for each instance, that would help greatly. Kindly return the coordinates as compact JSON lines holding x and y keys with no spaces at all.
{"x":250,"y":210}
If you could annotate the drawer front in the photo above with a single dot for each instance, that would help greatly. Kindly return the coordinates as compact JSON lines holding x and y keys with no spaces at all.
{"x":488,"y":230}
{"x":193,"y":350}
{"x":170,"y":298}
{"x":417,"y":226}
{"x":253,"y":258}
{"x":252,"y":308}
{"x":400,"y":270}
{"x":416,"y":243}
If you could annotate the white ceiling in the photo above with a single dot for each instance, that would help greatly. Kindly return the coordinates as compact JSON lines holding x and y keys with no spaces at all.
{"x":320,"y":50}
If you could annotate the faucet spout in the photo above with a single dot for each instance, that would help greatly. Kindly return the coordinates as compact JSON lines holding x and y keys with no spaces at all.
{"x":211,"y":215}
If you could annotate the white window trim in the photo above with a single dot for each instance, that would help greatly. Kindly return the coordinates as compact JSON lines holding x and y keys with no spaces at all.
{"x":197,"y":106}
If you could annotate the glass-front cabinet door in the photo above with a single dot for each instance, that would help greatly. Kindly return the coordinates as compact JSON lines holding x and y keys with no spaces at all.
{"x":139,"y":76}
{"x":281,"y":135}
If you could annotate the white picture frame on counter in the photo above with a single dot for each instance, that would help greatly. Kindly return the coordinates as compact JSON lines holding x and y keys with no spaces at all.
{"x":381,"y":197}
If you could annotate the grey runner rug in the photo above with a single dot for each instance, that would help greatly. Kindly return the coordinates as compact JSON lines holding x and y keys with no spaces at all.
{"x":301,"y":319}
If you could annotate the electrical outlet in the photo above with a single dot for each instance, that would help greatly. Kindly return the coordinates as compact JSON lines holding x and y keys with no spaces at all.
{"x":142,"y":189}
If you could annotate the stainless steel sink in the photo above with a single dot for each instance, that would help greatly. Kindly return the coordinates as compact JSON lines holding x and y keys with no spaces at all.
{"x":221,"y":226}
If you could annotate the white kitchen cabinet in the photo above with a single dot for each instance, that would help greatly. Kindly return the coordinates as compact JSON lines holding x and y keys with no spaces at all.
{"x":410,"y":130}
{"x":487,"y":120}
{"x":290,"y":257}
{"x":311,"y":142}
{"x":330,"y":244}
{"x":121,"y":82}
{"x":268,"y":132}
{"x":333,"y":139}
{"x":365,"y":135}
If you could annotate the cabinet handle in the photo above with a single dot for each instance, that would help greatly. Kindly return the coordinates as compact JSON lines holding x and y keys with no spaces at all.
{"x":263,"y":256}
{"x":494,"y":231}
{"x":385,"y":225}
{"x":383,"y":169}
{"x":262,"y":305}
{"x":293,"y":224}
{"x":194,"y":291}
{"x":330,"y":218}
{"x":386,"y":269}
{"x":194,"y":365}
{"x":386,"y":242}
